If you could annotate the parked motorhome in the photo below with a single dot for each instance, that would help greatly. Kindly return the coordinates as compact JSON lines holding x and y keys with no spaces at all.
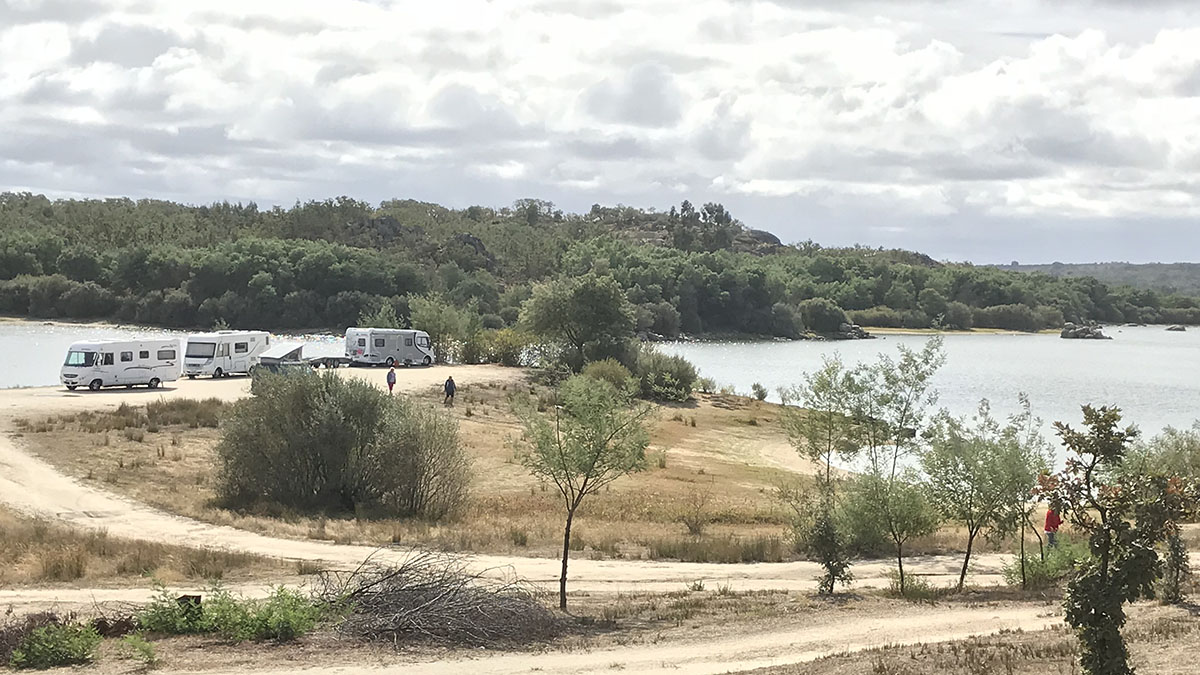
{"x":388,"y":346}
{"x":224,"y":352}
{"x":110,"y":363}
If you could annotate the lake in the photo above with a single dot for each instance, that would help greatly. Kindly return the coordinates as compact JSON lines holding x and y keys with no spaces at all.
{"x":1151,"y":374}
{"x":31,"y":354}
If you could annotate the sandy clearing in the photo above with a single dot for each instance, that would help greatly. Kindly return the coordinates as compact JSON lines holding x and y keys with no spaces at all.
{"x":30,"y":485}
{"x":737,"y":651}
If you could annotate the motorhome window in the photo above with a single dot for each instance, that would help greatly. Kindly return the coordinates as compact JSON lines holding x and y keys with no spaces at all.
{"x":378,"y":342}
{"x":126,"y":357}
{"x":166,"y":354}
{"x":407,"y":342}
{"x":200,"y":350}
{"x":223,"y":349}
{"x":240,"y":347}
{"x":108,"y":358}
{"x":144,"y":354}
{"x":84,"y":359}
{"x":362,"y":342}
{"x":422,"y":341}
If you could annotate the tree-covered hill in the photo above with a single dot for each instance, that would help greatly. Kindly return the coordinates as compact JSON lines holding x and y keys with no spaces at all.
{"x":1166,"y":278}
{"x":321,"y":264}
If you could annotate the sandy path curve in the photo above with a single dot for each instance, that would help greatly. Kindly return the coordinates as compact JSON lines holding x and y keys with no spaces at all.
{"x":733,"y":653}
{"x":31,"y":485}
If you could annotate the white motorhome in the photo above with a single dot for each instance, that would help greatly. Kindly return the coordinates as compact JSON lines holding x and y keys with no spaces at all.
{"x":388,"y":346}
{"x":224,"y":352}
{"x":109,"y":363}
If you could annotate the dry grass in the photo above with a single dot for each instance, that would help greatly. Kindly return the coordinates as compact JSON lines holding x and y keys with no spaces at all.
{"x":37,"y":551}
{"x":162,"y":454}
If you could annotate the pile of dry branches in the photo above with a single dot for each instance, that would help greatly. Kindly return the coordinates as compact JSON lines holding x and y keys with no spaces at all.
{"x":433,"y":597}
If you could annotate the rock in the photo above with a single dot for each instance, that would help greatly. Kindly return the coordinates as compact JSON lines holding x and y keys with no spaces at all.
{"x":1091,"y":331}
{"x":1176,"y":329}
{"x":849,"y":331}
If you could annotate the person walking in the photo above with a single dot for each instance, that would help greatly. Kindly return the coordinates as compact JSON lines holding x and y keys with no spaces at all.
{"x":1053,"y":521}
{"x":391,"y":378}
{"x":449,"y":388}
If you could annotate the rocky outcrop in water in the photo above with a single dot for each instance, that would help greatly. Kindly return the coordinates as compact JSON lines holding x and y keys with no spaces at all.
{"x":1089,"y":331}
{"x":851,"y":331}
{"x":1176,"y":329}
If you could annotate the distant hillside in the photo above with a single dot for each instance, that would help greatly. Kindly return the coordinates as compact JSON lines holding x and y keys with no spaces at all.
{"x":1181,"y":278}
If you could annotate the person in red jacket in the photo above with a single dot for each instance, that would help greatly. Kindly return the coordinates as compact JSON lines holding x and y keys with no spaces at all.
{"x":1052,"y":523}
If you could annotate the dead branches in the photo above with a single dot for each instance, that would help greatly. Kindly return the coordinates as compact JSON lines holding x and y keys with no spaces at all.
{"x":433,"y":597}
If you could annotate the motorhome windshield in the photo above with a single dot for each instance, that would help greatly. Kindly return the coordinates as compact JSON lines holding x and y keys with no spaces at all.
{"x":201,"y":350}
{"x":422,"y":341}
{"x":82,"y":359}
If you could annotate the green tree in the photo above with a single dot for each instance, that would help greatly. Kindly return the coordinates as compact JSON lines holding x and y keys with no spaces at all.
{"x":448,"y":325}
{"x":579,"y":312}
{"x":822,"y":430}
{"x":1125,"y":517}
{"x":384,"y":316}
{"x":888,"y":401}
{"x":594,"y":436}
{"x":978,"y":470}
{"x":822,"y":315}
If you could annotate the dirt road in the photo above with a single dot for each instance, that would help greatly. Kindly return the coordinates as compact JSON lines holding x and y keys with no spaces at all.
{"x":32,"y":486}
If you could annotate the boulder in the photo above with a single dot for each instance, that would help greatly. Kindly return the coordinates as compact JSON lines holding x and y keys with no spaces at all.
{"x":1089,"y":331}
{"x":850,"y":331}
{"x":1176,"y":329}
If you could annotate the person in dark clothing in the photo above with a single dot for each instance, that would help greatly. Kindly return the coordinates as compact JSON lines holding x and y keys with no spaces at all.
{"x":1053,"y":521}
{"x":450,"y":388}
{"x":391,"y":378}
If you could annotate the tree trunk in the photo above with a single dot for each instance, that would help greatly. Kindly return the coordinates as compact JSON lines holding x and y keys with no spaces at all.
{"x":962,"y":576}
{"x":1024,"y":579}
{"x":562,"y":580}
{"x":900,"y":564}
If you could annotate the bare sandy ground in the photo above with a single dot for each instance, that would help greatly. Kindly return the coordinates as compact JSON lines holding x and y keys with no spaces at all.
{"x":32,"y":486}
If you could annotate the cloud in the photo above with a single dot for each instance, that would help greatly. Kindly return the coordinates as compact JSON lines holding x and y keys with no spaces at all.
{"x":922,"y":124}
{"x":645,"y":96}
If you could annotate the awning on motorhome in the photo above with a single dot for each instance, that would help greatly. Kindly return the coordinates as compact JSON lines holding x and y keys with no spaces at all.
{"x":282,"y":352}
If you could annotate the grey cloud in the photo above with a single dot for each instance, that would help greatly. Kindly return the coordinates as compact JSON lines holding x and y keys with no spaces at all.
{"x":646,"y":96}
{"x":726,"y":136}
{"x":1069,"y":137}
{"x":67,"y":11}
{"x":131,"y":46}
{"x":612,"y":148}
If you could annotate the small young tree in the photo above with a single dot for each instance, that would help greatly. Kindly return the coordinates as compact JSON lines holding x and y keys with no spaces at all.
{"x":978,"y":471}
{"x":594,"y":436}
{"x":1125,"y":517}
{"x":888,"y":401}
{"x":820,"y":431}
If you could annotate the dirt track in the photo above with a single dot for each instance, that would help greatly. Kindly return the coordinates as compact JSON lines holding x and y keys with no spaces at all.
{"x":32,"y":486}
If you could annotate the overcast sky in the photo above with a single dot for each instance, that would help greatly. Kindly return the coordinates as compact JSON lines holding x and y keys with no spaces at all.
{"x":968,"y":129}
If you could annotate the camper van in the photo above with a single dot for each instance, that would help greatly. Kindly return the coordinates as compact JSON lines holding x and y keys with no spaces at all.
{"x":111,"y":363}
{"x":224,"y":352}
{"x":388,"y":346}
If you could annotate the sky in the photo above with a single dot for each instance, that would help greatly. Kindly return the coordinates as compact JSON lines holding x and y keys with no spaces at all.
{"x":981,"y":130}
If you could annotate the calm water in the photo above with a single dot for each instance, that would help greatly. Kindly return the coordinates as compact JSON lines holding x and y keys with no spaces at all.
{"x":1153,"y":375}
{"x":31,"y":354}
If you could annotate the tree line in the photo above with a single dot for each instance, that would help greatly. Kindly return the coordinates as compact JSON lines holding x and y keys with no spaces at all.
{"x":322,"y":264}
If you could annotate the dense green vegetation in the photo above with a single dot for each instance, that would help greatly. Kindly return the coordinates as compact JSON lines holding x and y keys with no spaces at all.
{"x":323,"y":264}
{"x":1165,"y":278}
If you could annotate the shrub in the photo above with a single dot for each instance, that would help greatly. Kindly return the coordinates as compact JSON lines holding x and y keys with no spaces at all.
{"x":916,"y":589}
{"x":609,"y":370}
{"x":1043,"y":574}
{"x":822,"y":315}
{"x":1008,"y":317}
{"x":506,"y":346}
{"x":321,"y":442}
{"x":877,"y":317}
{"x":663,"y":377}
{"x":58,"y":644}
{"x":706,"y":385}
{"x":760,"y":392}
{"x":141,"y":649}
{"x":283,"y":616}
{"x":64,"y":563}
{"x":958,"y":316}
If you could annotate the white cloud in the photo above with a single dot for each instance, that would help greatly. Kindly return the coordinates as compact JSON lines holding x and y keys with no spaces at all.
{"x":792,"y":111}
